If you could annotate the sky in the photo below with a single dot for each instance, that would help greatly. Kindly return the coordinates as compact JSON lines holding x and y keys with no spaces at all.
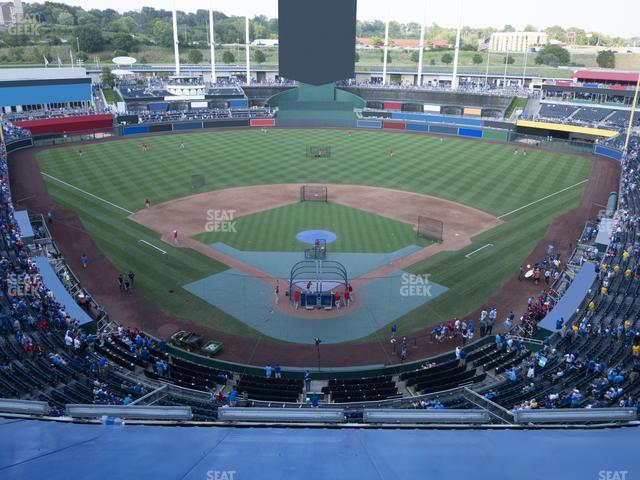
{"x":586,"y":14}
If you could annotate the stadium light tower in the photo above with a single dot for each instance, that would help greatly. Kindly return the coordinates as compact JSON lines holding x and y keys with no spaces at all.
{"x":176,"y":49}
{"x":632,"y":115}
{"x":386,"y":47}
{"x":456,"y":53}
{"x":246,"y":50}
{"x":421,"y":46}
{"x":212,"y":44}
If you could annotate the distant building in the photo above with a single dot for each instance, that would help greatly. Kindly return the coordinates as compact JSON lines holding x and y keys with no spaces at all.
{"x":517,"y":41}
{"x":7,"y":13}
{"x":11,"y":13}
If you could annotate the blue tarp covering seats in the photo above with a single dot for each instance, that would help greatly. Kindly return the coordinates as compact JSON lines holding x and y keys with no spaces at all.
{"x":62,"y":296}
{"x":572,"y":298}
{"x":22,"y":219}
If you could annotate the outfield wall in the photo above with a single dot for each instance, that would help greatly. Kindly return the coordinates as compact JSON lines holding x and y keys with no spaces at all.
{"x":608,"y":152}
{"x":67,"y":124}
{"x":192,"y":125}
{"x":435,"y":124}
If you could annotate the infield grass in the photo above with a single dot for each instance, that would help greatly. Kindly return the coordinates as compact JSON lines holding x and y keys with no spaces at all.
{"x":482,"y":175}
{"x":357,"y":231}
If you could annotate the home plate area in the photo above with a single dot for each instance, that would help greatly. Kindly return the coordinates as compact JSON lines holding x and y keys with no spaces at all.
{"x":380,"y":301}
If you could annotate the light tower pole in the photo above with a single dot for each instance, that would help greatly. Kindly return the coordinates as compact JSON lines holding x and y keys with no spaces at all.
{"x":247,"y":41}
{"x":176,"y":48}
{"x":386,"y":48}
{"x":212,"y":45}
{"x":632,"y":115}
{"x":421,"y":46}
{"x":456,"y":53}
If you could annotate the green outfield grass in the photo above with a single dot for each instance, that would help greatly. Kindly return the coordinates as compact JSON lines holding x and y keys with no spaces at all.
{"x":482,"y":175}
{"x":356,"y":231}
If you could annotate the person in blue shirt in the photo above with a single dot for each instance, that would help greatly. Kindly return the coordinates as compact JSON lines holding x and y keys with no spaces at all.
{"x":559,"y":323}
{"x":314,"y":400}
{"x":233,"y":397}
{"x":268,"y":371}
{"x":511,"y":374}
{"x":463,"y":357}
{"x":576,"y":398}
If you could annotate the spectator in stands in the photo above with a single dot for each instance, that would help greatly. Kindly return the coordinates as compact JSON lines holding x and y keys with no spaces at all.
{"x":233,"y":396}
{"x":307,"y":380}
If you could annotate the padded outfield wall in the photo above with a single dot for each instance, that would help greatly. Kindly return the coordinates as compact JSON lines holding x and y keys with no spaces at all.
{"x":437,"y":124}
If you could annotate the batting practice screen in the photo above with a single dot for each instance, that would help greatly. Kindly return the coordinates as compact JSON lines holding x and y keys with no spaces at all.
{"x":317,"y":40}
{"x":430,"y":228}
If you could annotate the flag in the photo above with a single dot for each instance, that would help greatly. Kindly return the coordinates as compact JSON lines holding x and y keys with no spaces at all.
{"x":59,"y":60}
{"x":485,"y":45}
{"x":71,"y":56}
{"x":46,"y":62}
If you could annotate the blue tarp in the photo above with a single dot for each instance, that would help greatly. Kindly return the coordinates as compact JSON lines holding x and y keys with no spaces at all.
{"x":608,"y":152}
{"x":136,"y":130}
{"x":572,"y":298}
{"x":62,"y":296}
{"x":470,"y":132}
{"x":22,"y":219}
{"x":239,"y":103}
{"x":417,"y":127}
{"x":31,"y":449}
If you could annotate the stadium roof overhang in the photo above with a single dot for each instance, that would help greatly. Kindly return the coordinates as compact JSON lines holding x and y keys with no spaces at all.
{"x":603,"y":76}
{"x":559,"y":127}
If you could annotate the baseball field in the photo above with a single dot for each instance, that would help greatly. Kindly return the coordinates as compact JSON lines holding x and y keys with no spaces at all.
{"x":108,"y":182}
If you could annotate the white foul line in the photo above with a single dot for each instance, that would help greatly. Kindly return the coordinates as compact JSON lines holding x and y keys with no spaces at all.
{"x":87,"y":193}
{"x":543,"y":198}
{"x":477,"y":250}
{"x":152,"y":246}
